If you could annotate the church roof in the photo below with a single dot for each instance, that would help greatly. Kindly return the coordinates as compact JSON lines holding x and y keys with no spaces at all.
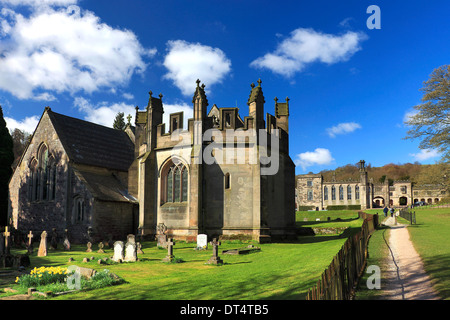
{"x":106,"y":186}
{"x":92,"y":144}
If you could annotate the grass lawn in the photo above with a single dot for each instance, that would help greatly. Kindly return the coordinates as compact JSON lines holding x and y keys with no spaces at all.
{"x":279,"y":271}
{"x":431,"y":239}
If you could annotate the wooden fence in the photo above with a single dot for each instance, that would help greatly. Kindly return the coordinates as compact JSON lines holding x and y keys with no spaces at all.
{"x":339,"y":280}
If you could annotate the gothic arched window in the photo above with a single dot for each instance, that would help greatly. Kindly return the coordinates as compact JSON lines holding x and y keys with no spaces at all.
{"x":341,"y":193}
{"x":333,"y":193}
{"x":349,"y":193}
{"x":357,"y":192}
{"x":174,"y":183}
{"x":325,"y":193}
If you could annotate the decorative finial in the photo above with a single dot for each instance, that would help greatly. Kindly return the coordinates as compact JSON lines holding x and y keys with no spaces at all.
{"x":276,"y":99}
{"x":137,"y":108}
{"x":203,"y":86}
{"x":150,"y":93}
{"x":160,"y":96}
{"x":129,"y":119}
{"x":198,"y":82}
{"x":287,"y":99}
{"x":259,"y":82}
{"x":252,"y":85}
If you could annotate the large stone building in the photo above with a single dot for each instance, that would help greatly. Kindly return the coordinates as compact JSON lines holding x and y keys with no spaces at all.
{"x":222,"y":175}
{"x":313,"y":193}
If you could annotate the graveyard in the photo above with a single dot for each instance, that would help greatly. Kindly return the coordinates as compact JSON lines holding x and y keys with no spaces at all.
{"x":217,"y":270}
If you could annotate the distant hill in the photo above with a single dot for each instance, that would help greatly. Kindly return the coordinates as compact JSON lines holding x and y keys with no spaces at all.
{"x":415,"y":172}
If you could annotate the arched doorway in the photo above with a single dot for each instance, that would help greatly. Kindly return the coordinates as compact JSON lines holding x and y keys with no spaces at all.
{"x":403,"y":201}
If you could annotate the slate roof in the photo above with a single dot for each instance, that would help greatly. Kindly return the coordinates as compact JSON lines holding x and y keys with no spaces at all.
{"x":106,"y":187}
{"x":92,"y":144}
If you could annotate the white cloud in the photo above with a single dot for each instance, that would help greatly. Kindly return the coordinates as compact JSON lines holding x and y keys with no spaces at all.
{"x":305,"y":46}
{"x":408,"y":115}
{"x":187,"y":62}
{"x":104,"y":113}
{"x":425,"y":154}
{"x":28,"y":124}
{"x":64,"y":49}
{"x":342,"y":128}
{"x":320,"y":156}
{"x":128,"y":96}
{"x":188,"y":112}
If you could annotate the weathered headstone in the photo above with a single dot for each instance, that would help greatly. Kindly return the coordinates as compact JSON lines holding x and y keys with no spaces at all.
{"x":66,"y":242}
{"x":202,"y":241}
{"x":215,"y":259}
{"x":100,"y":247}
{"x":7,"y":234}
{"x":170,"y":256}
{"x":30,"y":243}
{"x":118,"y":251}
{"x":42,"y":252}
{"x":139,"y":248}
{"x":89,"y":247}
{"x":54,"y":239}
{"x":161,"y":235}
{"x":130,"y":249}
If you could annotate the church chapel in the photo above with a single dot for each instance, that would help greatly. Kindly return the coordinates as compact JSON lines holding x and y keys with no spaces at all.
{"x":223,"y":176}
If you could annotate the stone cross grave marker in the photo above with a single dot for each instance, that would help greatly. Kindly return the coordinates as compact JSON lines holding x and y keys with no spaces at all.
{"x":43,"y":245}
{"x":169,"y":256}
{"x":130,"y":248}
{"x":118,"y":251}
{"x":215,"y":259}
{"x":161,"y":236}
{"x":30,"y":245}
{"x":89,"y":247}
{"x":202,"y":241}
{"x":7,"y":234}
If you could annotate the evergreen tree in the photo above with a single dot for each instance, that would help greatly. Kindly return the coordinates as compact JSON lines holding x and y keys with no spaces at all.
{"x":6,"y":160}
{"x":119,"y":121}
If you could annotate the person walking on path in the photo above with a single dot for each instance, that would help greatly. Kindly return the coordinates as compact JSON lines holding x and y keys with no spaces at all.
{"x":392,"y":212}
{"x":385,"y":211}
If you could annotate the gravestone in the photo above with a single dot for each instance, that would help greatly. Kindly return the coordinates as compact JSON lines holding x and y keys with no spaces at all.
{"x":202,"y":241}
{"x":130,"y":249}
{"x":170,"y":256}
{"x":215,"y":259}
{"x":54,"y":240}
{"x":100,"y":247}
{"x":7,"y":234}
{"x":161,"y":235}
{"x":89,"y":247}
{"x":66,"y":243}
{"x":42,"y":252}
{"x":139,"y":248}
{"x":118,"y":251}
{"x":30,"y":243}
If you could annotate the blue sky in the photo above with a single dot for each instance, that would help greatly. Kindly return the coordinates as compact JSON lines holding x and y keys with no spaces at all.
{"x":350,"y":87}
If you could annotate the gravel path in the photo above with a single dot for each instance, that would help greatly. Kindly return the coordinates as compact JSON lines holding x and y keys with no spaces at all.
{"x":405,"y":278}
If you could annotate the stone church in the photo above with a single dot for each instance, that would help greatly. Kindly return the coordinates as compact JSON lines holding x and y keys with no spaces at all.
{"x":223,"y":175}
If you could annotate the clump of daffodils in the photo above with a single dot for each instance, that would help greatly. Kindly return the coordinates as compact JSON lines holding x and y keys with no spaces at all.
{"x":42,"y":276}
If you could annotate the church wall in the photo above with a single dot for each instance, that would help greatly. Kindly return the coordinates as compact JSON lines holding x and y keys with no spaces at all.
{"x":38,"y":215}
{"x":113,"y":219}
